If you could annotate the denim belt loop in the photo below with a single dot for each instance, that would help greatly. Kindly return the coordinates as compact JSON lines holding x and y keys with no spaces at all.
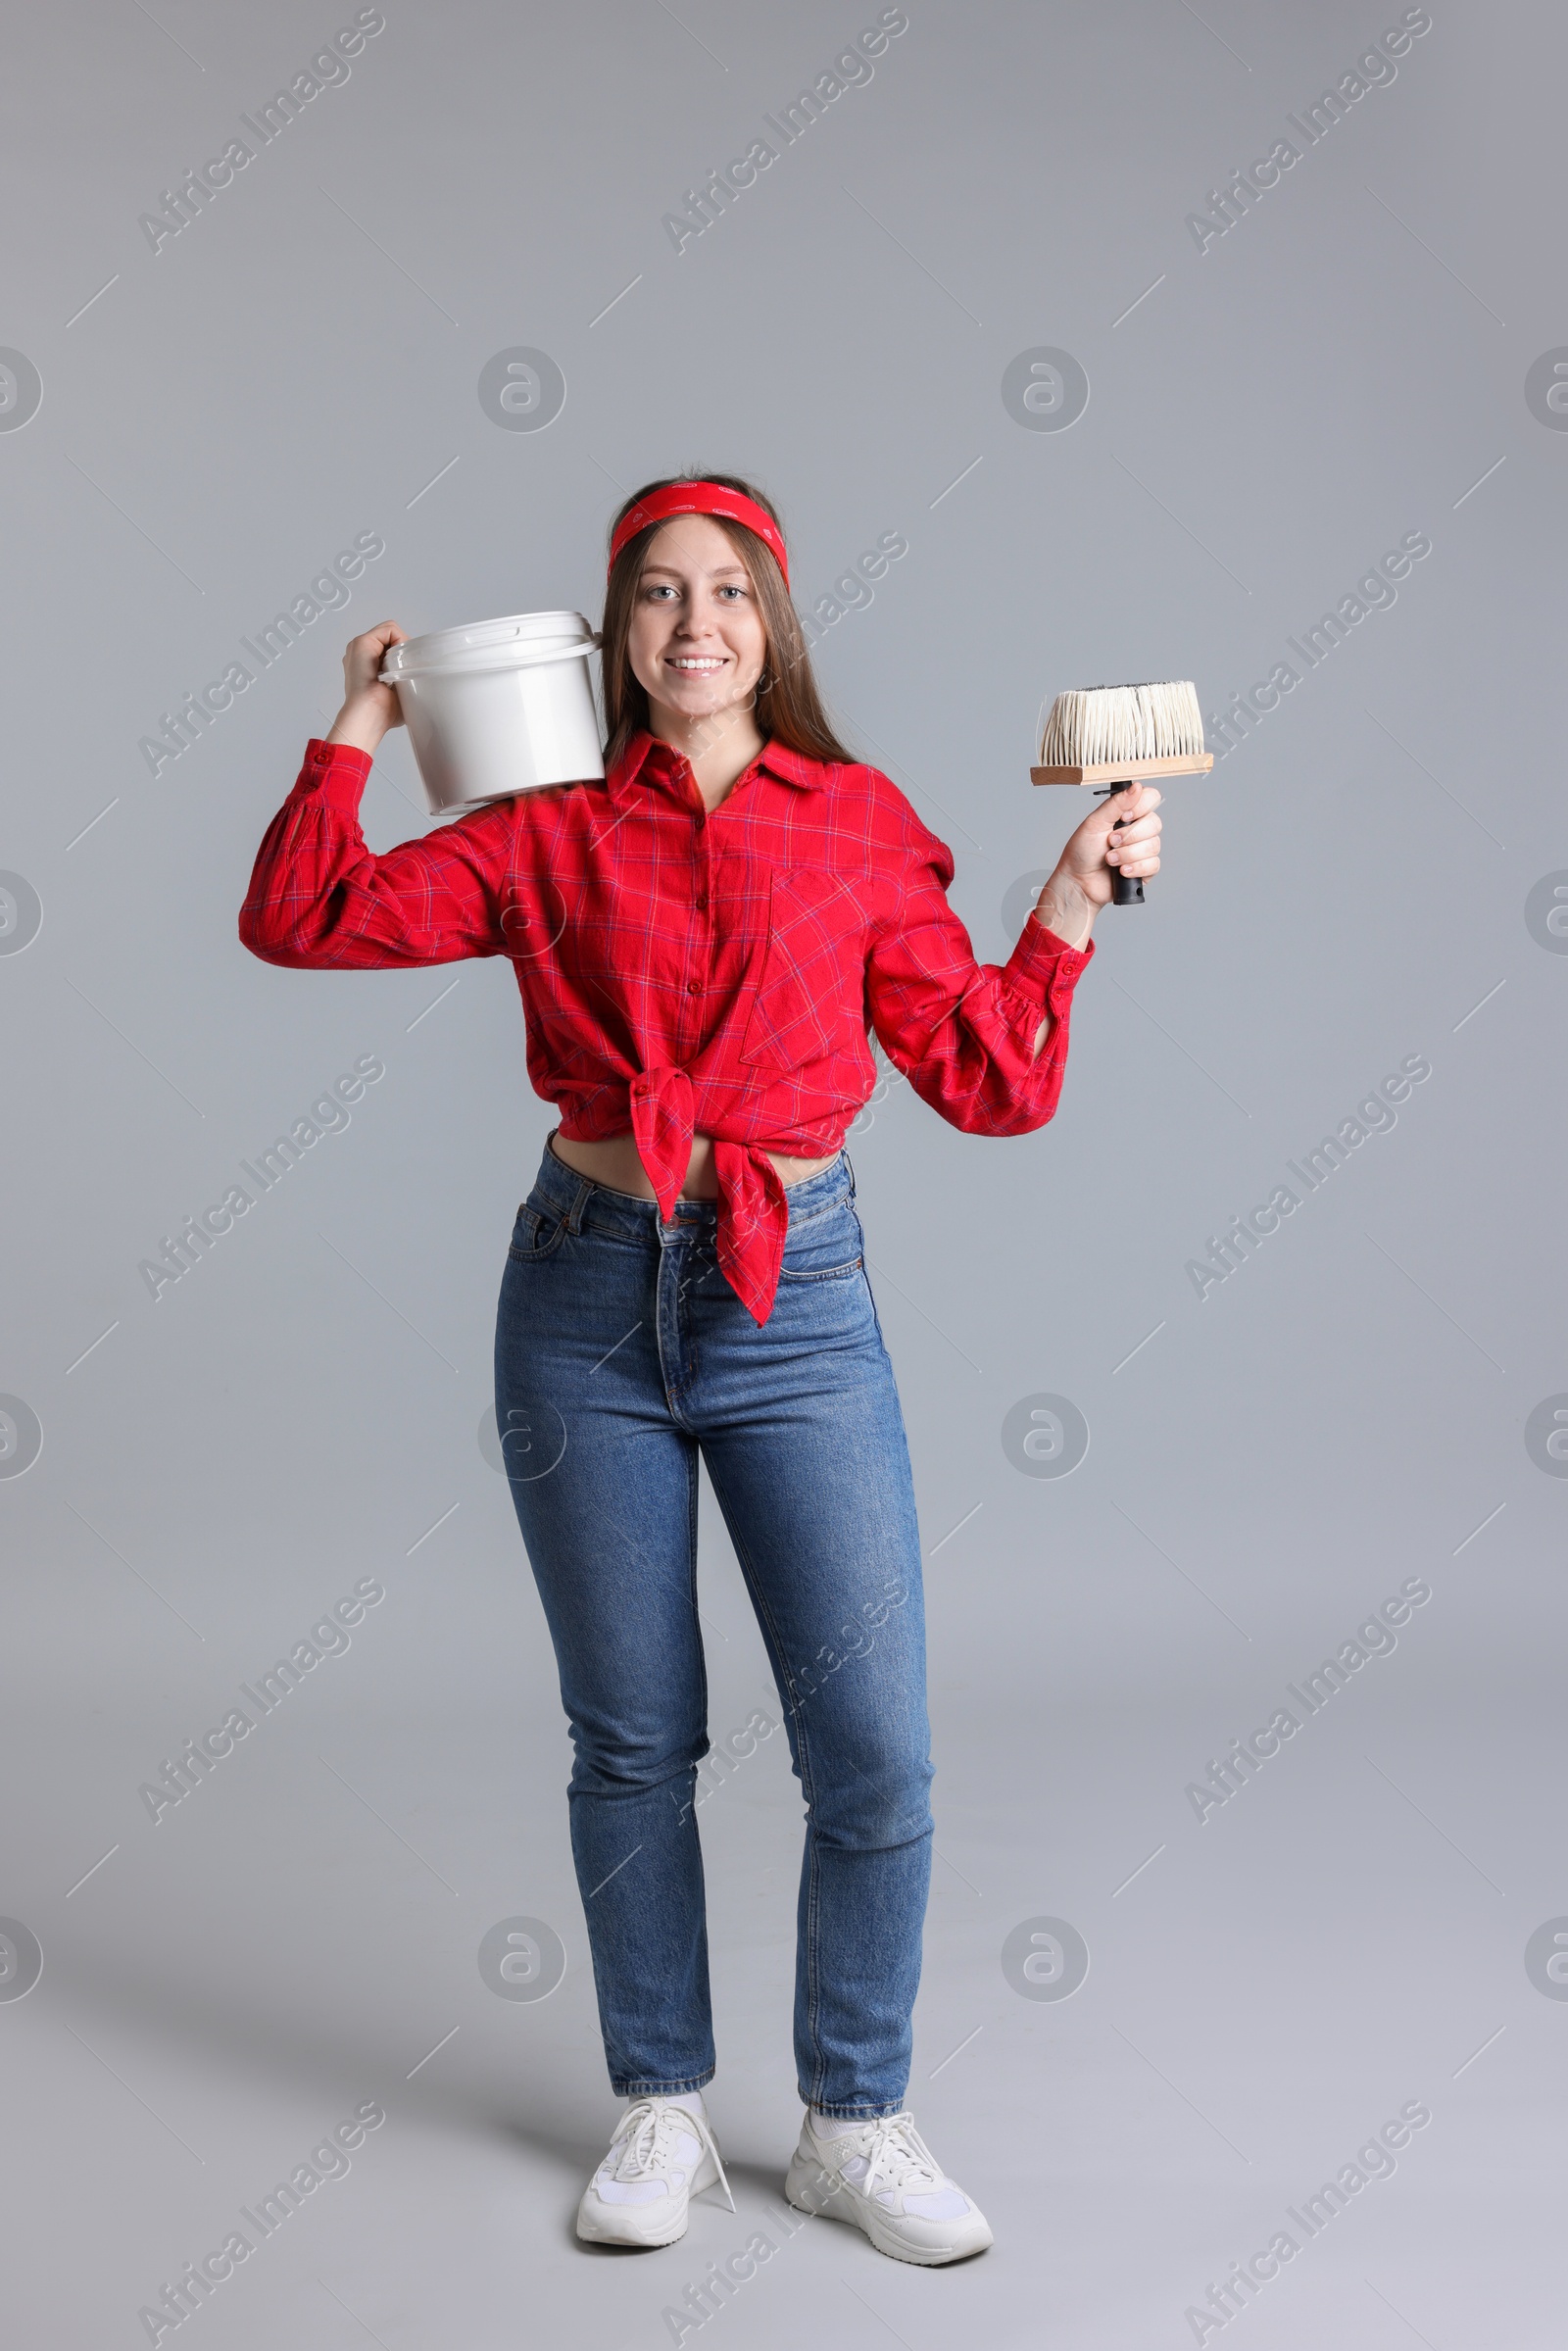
{"x":585,"y":1191}
{"x":850,"y":1165}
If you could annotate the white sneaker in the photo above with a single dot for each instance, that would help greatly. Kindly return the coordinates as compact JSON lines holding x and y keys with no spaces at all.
{"x":886,"y":2181}
{"x":661,"y":2156}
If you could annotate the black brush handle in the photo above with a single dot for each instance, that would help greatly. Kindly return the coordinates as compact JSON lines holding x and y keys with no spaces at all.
{"x":1126,"y":890}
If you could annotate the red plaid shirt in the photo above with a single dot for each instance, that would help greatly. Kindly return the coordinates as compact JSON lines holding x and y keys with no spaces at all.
{"x":685,"y":970}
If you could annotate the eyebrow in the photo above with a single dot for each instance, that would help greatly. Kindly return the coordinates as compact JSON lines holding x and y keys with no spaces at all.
{"x":717,"y":572}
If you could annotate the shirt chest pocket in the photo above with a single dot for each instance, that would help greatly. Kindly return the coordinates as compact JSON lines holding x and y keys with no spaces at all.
{"x":810,"y":985}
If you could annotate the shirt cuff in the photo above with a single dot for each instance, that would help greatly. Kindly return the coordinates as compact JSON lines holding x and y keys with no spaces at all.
{"x":1044,"y":968}
{"x":336,"y":772}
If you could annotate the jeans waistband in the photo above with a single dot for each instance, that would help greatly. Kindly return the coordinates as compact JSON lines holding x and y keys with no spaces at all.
{"x":577,"y":1199}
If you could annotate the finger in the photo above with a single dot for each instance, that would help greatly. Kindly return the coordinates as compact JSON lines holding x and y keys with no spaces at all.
{"x":1140,"y":801}
{"x":1138,"y":828}
{"x":1132,"y":800}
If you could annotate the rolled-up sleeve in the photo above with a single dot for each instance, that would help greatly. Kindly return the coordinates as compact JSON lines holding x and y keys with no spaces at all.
{"x":320,"y":897}
{"x":963,"y":1032}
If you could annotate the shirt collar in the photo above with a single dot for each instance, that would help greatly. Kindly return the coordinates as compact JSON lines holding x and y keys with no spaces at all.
{"x":647,"y":758}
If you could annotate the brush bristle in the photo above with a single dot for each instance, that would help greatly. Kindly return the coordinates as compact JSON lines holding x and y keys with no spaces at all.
{"x":1091,"y":725}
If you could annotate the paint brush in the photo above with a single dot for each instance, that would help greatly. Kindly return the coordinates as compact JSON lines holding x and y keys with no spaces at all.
{"x":1107,"y":736}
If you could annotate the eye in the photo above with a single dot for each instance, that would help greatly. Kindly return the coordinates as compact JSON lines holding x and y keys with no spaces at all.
{"x":730,"y":589}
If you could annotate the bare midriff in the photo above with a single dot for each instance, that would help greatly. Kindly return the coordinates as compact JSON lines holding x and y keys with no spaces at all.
{"x":615,"y":1161}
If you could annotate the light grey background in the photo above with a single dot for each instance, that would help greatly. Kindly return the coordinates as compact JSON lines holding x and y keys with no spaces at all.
{"x":1343,"y":366}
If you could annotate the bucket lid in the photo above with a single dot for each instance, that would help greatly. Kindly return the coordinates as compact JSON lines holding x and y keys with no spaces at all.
{"x":460,"y":645}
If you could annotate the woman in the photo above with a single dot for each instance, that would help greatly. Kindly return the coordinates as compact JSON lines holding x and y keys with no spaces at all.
{"x":704,"y":942}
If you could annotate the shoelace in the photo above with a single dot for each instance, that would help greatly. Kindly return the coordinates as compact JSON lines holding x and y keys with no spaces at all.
{"x":900,"y":2156}
{"x":644,"y":2135}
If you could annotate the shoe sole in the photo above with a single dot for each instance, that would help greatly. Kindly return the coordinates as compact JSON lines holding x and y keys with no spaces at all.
{"x":591,"y":2235}
{"x":810,"y":2189}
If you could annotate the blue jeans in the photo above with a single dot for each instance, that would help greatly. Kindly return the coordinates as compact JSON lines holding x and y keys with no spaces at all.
{"x":621,"y":1351}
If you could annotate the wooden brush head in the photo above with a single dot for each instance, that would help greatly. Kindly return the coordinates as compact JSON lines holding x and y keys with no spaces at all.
{"x":1112,"y":734}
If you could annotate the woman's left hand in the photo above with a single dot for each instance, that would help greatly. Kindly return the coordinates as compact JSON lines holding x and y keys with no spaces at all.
{"x":1087,"y":869}
{"x":1097,"y":852}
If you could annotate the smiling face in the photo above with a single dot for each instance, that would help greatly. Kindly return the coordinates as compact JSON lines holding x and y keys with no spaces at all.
{"x":698,"y":643}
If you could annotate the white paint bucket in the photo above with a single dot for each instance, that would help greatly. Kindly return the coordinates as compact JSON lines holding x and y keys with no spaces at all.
{"x":498,"y":706}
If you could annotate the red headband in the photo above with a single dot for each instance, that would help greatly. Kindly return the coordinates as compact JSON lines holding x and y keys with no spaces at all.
{"x":701,"y":498}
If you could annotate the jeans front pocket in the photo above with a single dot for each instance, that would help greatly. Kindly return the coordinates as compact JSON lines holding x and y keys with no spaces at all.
{"x":537,"y":1233}
{"x":829,"y":1246}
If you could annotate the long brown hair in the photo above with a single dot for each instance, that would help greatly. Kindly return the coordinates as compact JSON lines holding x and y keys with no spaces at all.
{"x":789,"y":705}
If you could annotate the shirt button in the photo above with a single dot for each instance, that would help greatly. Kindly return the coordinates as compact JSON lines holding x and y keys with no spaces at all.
{"x":702,"y":904}
{"x":694,"y":987}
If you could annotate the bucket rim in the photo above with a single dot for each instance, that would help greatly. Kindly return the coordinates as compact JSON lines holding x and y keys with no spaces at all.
{"x":491,"y":636}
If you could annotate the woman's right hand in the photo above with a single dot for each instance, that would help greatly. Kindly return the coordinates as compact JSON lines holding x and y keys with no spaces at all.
{"x":368,"y":708}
